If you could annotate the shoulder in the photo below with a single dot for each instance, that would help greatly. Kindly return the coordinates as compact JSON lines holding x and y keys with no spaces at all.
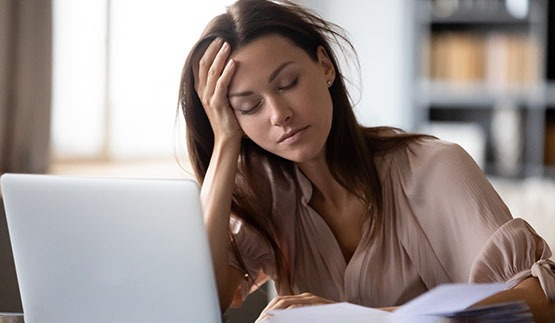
{"x":439,"y":197}
{"x":427,"y":159}
{"x":432,"y":152}
{"x":440,"y":179}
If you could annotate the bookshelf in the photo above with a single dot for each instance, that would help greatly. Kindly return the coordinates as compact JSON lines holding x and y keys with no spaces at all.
{"x":489,"y":63}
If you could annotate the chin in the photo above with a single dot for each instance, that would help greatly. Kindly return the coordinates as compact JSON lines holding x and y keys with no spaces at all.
{"x":302,"y":156}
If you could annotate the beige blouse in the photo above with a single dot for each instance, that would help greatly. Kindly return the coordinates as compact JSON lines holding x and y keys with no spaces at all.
{"x":443,"y":223}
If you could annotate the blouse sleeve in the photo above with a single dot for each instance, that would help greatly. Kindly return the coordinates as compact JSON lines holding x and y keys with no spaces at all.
{"x":252,"y":256}
{"x":513,"y":253}
{"x":466,"y":225}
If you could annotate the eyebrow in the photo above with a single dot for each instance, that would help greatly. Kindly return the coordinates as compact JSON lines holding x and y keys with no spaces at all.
{"x":272,"y":77}
{"x":277,"y":70}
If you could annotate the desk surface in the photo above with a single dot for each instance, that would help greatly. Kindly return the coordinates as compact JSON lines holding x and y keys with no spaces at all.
{"x":11,"y":318}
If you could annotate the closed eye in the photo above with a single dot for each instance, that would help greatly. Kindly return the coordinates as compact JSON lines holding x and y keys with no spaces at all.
{"x":251,"y":110}
{"x":289,"y":86}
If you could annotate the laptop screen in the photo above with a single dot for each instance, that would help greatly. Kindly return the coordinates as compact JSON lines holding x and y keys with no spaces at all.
{"x":109,"y":250}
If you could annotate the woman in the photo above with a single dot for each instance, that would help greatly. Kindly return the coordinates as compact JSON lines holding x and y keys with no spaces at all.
{"x":294,"y":189}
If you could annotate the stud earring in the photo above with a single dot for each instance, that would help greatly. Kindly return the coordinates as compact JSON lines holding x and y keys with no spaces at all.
{"x":329,"y":83}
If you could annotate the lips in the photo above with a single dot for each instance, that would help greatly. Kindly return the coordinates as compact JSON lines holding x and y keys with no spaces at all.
{"x":289,"y":134}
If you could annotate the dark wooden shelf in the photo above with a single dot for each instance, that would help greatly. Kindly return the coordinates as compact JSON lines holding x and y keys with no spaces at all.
{"x":468,"y":12}
{"x":480,"y":18}
{"x":468,"y":29}
{"x":474,"y":95}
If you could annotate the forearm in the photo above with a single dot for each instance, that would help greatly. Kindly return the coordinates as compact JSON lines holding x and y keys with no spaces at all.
{"x":531,"y":292}
{"x":216,"y":197}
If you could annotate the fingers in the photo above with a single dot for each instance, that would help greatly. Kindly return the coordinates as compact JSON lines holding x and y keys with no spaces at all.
{"x":283,"y":302}
{"x":215,"y":73}
{"x":222,"y":84}
{"x":211,"y":67}
{"x":292,"y":301}
{"x":207,"y":59}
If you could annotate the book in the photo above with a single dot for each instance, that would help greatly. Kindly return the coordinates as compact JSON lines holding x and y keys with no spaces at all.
{"x":500,"y":60}
{"x":444,"y":303}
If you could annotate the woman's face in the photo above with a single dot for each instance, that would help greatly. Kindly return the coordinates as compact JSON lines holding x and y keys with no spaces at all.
{"x":281,"y":99}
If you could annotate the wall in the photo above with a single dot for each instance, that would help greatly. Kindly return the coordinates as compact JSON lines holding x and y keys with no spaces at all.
{"x":381,"y":34}
{"x":25,"y":85}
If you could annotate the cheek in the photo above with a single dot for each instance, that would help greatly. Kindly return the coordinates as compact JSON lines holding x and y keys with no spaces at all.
{"x":253,"y":127}
{"x":319,"y":100}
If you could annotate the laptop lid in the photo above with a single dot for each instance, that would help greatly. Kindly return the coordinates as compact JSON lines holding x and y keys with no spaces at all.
{"x":109,"y":250}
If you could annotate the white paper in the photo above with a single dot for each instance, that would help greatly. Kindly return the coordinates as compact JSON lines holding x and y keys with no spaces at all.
{"x":449,"y":298}
{"x":331,"y":313}
{"x":427,"y":308}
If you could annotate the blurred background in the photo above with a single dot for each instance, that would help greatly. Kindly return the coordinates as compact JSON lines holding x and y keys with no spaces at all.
{"x":90,"y":87}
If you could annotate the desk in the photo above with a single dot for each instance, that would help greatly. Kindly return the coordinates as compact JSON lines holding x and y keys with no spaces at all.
{"x":11,"y":318}
{"x":9,"y":293}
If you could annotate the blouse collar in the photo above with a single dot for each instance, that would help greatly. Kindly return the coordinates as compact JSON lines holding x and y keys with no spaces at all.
{"x":305,"y":185}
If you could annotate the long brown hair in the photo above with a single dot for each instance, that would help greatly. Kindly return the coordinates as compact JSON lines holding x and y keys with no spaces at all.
{"x":351,"y":164}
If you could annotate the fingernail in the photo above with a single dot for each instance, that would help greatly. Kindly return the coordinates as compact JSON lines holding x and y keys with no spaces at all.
{"x":230,"y":63}
{"x":225,"y":46}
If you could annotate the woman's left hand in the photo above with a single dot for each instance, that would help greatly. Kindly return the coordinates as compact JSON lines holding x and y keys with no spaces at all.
{"x":291,"y":301}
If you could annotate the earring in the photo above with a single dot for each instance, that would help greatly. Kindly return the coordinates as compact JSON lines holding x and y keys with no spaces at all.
{"x":329,"y":83}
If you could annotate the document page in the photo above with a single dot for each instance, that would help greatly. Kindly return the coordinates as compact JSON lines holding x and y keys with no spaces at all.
{"x":331,"y":313}
{"x":449,"y":298}
{"x":431,"y":307}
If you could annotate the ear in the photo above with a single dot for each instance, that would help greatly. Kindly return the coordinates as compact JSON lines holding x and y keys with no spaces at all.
{"x":326,"y":63}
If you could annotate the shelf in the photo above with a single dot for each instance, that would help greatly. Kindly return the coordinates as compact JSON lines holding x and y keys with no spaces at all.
{"x":480,"y":18}
{"x":549,"y":170}
{"x":475,"y":95}
{"x":490,"y":12}
{"x":477,"y":59}
{"x":550,"y":94}
{"x":494,"y":169}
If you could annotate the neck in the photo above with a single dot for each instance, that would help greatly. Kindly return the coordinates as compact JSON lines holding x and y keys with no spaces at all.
{"x":340,"y":209}
{"x":326,"y":188}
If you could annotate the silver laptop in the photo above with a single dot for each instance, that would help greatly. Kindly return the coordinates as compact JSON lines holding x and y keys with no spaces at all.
{"x":109,"y":250}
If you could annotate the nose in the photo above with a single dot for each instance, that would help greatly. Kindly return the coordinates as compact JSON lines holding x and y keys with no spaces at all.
{"x":281,"y":112}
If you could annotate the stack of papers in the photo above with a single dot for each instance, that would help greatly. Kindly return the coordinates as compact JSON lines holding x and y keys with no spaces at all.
{"x":445,"y":303}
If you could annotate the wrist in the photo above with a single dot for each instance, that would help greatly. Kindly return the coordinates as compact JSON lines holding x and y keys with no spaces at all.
{"x":228,"y":141}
